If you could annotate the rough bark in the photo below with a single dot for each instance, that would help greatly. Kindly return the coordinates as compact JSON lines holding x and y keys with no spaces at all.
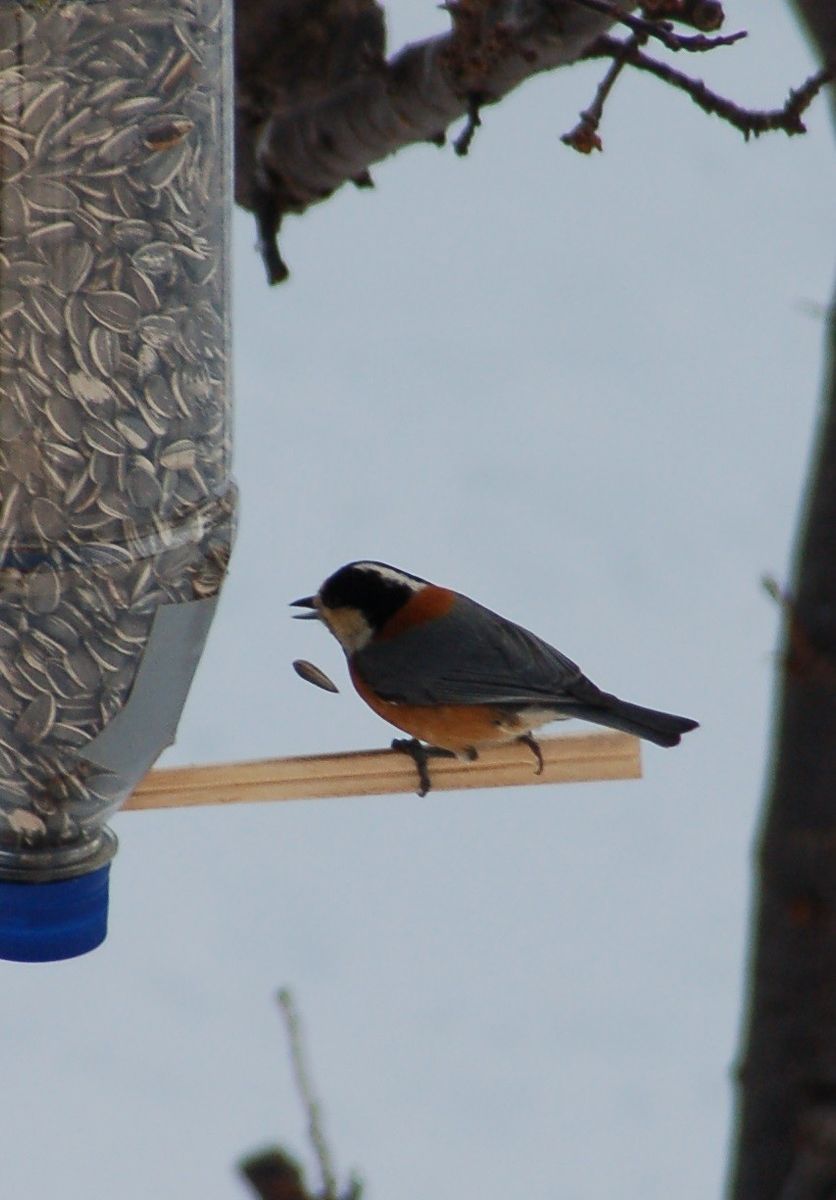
{"x":290,"y":55}
{"x":786,"y":1122}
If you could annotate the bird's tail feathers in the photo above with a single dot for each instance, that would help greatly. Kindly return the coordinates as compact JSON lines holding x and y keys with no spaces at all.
{"x":665,"y":729}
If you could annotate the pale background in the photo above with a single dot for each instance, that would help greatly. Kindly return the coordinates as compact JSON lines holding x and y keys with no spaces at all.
{"x":582,"y":391}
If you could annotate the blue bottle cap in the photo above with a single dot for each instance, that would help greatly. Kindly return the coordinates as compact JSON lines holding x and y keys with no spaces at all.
{"x":45,"y":922}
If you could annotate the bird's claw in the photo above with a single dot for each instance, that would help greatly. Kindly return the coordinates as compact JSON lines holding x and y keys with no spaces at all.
{"x":420,"y":755}
{"x":534,"y":747}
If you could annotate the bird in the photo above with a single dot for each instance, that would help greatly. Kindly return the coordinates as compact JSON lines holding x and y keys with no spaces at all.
{"x":457,"y":676}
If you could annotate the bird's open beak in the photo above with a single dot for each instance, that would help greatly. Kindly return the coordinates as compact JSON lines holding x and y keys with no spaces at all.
{"x":305,"y":602}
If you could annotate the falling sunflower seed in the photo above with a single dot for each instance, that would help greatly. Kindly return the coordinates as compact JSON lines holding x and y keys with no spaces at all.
{"x":312,"y":674}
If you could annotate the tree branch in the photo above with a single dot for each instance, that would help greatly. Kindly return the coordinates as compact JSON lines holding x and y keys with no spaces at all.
{"x":748,"y":121}
{"x":303,"y":153}
{"x":306,"y":1094}
{"x":462,"y":143}
{"x":317,"y":102}
{"x":333,"y":105}
{"x":584,"y":137}
{"x":705,"y":15}
{"x":273,"y":1173}
{"x":660,"y":30}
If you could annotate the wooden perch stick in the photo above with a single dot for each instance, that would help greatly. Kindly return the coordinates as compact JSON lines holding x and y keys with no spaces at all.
{"x":380,"y":772}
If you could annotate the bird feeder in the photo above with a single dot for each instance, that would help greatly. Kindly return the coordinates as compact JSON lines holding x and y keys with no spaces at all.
{"x":117,"y":504}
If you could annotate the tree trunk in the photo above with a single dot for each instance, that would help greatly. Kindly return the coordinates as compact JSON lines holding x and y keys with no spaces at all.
{"x":786,"y":1121}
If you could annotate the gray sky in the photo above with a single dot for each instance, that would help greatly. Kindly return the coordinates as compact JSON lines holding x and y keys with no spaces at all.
{"x":583,"y":392}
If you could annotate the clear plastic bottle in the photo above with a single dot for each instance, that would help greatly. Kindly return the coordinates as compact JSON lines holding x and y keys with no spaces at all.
{"x":117,"y":505}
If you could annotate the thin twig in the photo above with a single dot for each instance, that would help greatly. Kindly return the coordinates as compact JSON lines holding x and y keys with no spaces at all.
{"x":748,"y":121}
{"x":268,"y":220}
{"x":802,"y":658}
{"x":661,"y":30}
{"x":705,"y":15}
{"x":462,"y":143}
{"x":584,"y":137}
{"x":303,"y":1083}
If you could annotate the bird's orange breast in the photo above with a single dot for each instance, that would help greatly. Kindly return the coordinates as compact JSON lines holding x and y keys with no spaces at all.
{"x":450,"y":726}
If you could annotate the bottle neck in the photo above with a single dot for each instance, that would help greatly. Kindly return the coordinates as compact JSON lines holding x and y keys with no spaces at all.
{"x":51,"y":863}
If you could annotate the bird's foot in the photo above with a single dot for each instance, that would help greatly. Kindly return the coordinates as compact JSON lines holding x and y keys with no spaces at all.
{"x":534,"y":747}
{"x":420,"y":755}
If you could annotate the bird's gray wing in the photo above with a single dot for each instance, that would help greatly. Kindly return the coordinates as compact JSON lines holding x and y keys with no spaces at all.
{"x":470,"y":656}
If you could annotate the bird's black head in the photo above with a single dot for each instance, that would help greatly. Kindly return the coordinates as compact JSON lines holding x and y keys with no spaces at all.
{"x":372,"y":588}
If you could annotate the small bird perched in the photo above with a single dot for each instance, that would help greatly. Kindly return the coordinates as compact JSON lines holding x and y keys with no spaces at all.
{"x":457,"y":676}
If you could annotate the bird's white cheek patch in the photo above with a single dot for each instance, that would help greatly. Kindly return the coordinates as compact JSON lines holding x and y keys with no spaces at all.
{"x":349,"y":627}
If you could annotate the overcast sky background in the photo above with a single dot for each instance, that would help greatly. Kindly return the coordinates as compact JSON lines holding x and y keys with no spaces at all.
{"x":582,"y":391}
